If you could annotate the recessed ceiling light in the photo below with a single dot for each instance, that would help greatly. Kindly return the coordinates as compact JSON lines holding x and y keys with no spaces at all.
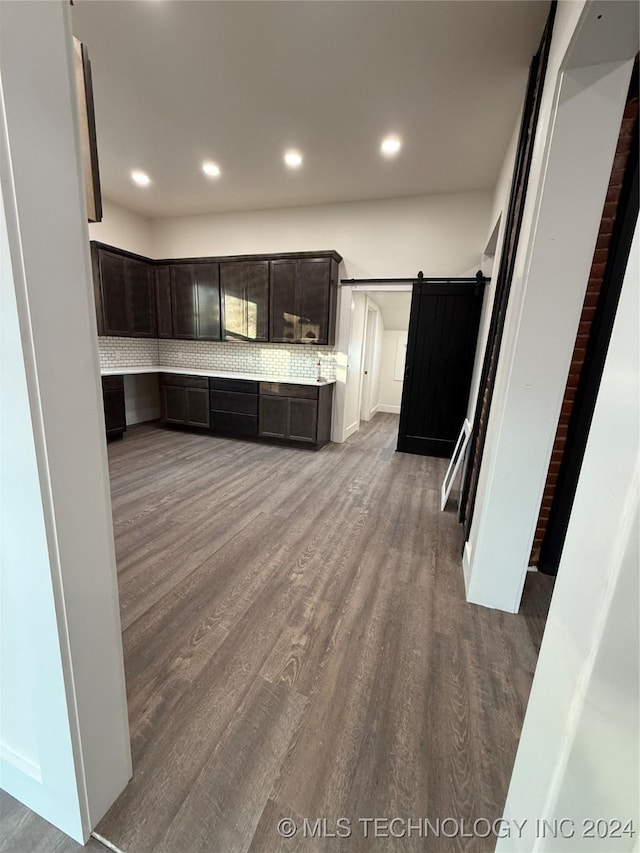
{"x":293,"y":159}
{"x":390,"y":146}
{"x":210,"y":169}
{"x":140,"y":178}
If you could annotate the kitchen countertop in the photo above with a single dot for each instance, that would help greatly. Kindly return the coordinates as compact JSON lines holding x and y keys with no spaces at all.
{"x":217,"y":374}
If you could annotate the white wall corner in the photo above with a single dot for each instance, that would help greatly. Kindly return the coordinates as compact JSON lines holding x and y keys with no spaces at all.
{"x":577,"y":135}
{"x":51,"y":293}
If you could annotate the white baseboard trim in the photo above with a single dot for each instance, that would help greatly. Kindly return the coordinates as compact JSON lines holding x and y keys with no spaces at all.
{"x":392,"y":410}
{"x":354,"y":427}
{"x":105,"y":843}
{"x":22,"y":765}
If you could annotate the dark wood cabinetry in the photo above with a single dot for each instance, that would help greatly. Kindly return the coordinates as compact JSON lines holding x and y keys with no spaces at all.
{"x":285,"y":298}
{"x":195,"y":301}
{"x":244,"y":295}
{"x":302,"y":303}
{"x":163,"y":301}
{"x":298,"y":413}
{"x":114,"y":408}
{"x":234,"y":407}
{"x":125,"y":293}
{"x":246,"y":408}
{"x":184,"y":400}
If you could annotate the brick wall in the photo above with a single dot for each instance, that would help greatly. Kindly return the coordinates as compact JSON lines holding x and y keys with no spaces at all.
{"x":629,"y":121}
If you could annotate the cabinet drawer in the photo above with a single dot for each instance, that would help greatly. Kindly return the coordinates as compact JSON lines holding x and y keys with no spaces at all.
{"x":231,"y":423}
{"x":232,"y":401}
{"x":282,"y":389}
{"x":184,"y":381}
{"x":112,"y":383}
{"x":245,"y":386}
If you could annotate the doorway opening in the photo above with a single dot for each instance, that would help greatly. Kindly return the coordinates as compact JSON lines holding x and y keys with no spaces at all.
{"x":377,"y":350}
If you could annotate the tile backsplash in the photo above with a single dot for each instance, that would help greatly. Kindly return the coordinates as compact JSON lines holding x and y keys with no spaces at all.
{"x":128,"y":352}
{"x":271,"y":359}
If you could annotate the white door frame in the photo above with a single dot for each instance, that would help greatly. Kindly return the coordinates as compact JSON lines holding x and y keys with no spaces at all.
{"x":371,"y":344}
{"x":347,"y":376}
{"x":71,"y":727}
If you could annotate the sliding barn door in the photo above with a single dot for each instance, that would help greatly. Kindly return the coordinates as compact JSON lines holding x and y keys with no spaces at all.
{"x":515,"y":211}
{"x":440,"y":352}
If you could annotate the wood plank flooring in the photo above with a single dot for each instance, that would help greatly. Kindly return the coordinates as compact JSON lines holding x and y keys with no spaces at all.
{"x":22,"y":831}
{"x":297,"y":644}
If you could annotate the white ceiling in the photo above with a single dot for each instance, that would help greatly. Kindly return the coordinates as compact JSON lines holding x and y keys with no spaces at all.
{"x":176,"y":83}
{"x":395,"y":308}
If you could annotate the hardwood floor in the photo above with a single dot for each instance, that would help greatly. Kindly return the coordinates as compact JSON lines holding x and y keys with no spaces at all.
{"x":297,"y":644}
{"x":22,"y":831}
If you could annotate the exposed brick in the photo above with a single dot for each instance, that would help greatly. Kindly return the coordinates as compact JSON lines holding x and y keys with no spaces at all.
{"x":592,"y":294}
{"x":613,"y":193}
{"x":619,"y":162}
{"x":617,"y":178}
{"x":594,"y":284}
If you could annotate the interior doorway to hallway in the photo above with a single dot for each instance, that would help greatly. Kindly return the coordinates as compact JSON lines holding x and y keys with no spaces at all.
{"x":377,"y":350}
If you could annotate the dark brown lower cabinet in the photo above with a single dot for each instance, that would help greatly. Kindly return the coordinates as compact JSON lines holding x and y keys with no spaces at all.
{"x":300,"y":413}
{"x":114,"y":410}
{"x":184,"y":400}
{"x":295,"y":414}
{"x":234,"y":407}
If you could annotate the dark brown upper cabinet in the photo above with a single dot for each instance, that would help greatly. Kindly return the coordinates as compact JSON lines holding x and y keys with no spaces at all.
{"x":195,"y":301}
{"x":163,"y":301}
{"x":284,"y":298}
{"x":124,"y":286}
{"x":303,"y":299}
{"x":244,"y":295}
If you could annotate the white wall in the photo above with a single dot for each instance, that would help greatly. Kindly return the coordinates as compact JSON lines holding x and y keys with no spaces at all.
{"x":376,"y":365}
{"x":32,"y":690}
{"x":390,"y":389}
{"x":353,"y":365}
{"x":439,"y":234}
{"x":578,"y":753}
{"x":80,"y":703}
{"x":373,"y":331}
{"x":141,"y":398}
{"x":491,"y":263}
{"x":578,"y":128}
{"x":123,"y":228}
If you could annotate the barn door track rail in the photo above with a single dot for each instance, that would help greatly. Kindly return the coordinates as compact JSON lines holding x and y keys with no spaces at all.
{"x":479,"y":278}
